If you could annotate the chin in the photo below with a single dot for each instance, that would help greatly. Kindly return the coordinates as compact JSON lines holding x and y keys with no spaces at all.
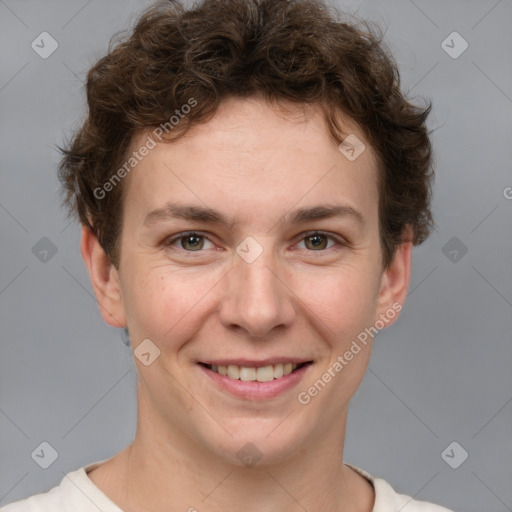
{"x":256,"y":442}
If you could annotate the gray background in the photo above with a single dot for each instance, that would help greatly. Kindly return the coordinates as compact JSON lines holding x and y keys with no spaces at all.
{"x":438,"y":375}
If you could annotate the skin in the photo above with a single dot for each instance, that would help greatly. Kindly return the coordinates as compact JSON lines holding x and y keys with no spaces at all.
{"x":255,"y":164}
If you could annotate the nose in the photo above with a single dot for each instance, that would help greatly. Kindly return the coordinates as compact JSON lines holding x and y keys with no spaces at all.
{"x":256,"y":298}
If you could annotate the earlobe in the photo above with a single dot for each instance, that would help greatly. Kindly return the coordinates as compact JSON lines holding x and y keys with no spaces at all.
{"x":104,"y":278}
{"x":395,"y":282}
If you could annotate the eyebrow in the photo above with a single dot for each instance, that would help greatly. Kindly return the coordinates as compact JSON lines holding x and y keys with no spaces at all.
{"x":207,"y":215}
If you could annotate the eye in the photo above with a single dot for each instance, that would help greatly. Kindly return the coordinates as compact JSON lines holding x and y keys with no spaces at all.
{"x":191,"y":241}
{"x":316,"y":241}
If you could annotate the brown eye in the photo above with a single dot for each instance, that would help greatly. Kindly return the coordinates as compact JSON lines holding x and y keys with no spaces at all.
{"x":189,"y":242}
{"x":317,"y":241}
{"x":192,"y":242}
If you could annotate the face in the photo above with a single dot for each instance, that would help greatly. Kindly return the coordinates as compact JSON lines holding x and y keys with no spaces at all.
{"x":231,"y":263}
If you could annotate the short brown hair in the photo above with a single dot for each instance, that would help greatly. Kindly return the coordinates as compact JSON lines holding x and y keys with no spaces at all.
{"x":294,"y":50}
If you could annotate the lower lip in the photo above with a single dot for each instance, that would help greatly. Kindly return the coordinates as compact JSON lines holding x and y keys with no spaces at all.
{"x":254,"y":390}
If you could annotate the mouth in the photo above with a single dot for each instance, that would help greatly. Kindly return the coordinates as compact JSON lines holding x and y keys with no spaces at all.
{"x":264,"y":373}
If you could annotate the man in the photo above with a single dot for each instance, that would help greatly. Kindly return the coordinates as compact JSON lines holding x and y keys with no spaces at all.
{"x":250,"y":183}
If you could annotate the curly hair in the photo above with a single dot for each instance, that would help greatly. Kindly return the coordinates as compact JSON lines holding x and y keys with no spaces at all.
{"x":297,"y":50}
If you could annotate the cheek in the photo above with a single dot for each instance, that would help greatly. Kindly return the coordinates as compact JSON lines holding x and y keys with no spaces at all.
{"x":169,"y":305}
{"x":164,"y":304}
{"x":344,"y":301}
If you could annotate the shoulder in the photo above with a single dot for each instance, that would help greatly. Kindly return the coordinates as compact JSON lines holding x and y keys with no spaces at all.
{"x":75,"y":492}
{"x":388,"y":500}
{"x":42,"y":502}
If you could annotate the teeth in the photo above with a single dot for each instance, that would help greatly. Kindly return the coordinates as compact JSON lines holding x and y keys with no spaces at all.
{"x":265,"y":374}
{"x":278,"y":371}
{"x":233,"y":371}
{"x":247,"y":373}
{"x":261,"y":374}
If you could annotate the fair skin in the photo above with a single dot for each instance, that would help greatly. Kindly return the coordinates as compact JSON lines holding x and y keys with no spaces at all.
{"x":303,"y":299}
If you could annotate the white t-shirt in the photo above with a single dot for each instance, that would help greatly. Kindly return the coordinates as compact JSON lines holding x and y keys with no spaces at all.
{"x":78,"y":493}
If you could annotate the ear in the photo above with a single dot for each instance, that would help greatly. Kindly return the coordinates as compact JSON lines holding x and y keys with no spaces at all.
{"x":104,"y":279}
{"x":395,"y":281}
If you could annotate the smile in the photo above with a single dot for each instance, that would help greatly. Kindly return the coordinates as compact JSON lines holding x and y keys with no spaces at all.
{"x":255,"y":380}
{"x":261,"y":374}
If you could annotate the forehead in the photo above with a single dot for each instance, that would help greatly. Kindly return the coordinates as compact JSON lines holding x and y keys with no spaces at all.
{"x":252,"y":158}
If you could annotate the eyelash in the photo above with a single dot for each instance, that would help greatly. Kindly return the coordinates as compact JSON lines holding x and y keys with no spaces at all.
{"x":170,"y":241}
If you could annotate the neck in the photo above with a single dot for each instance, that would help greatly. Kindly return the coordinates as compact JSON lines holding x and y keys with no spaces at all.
{"x":159,"y":471}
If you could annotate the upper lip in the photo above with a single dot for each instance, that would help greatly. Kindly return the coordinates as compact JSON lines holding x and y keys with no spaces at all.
{"x":250,"y":363}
